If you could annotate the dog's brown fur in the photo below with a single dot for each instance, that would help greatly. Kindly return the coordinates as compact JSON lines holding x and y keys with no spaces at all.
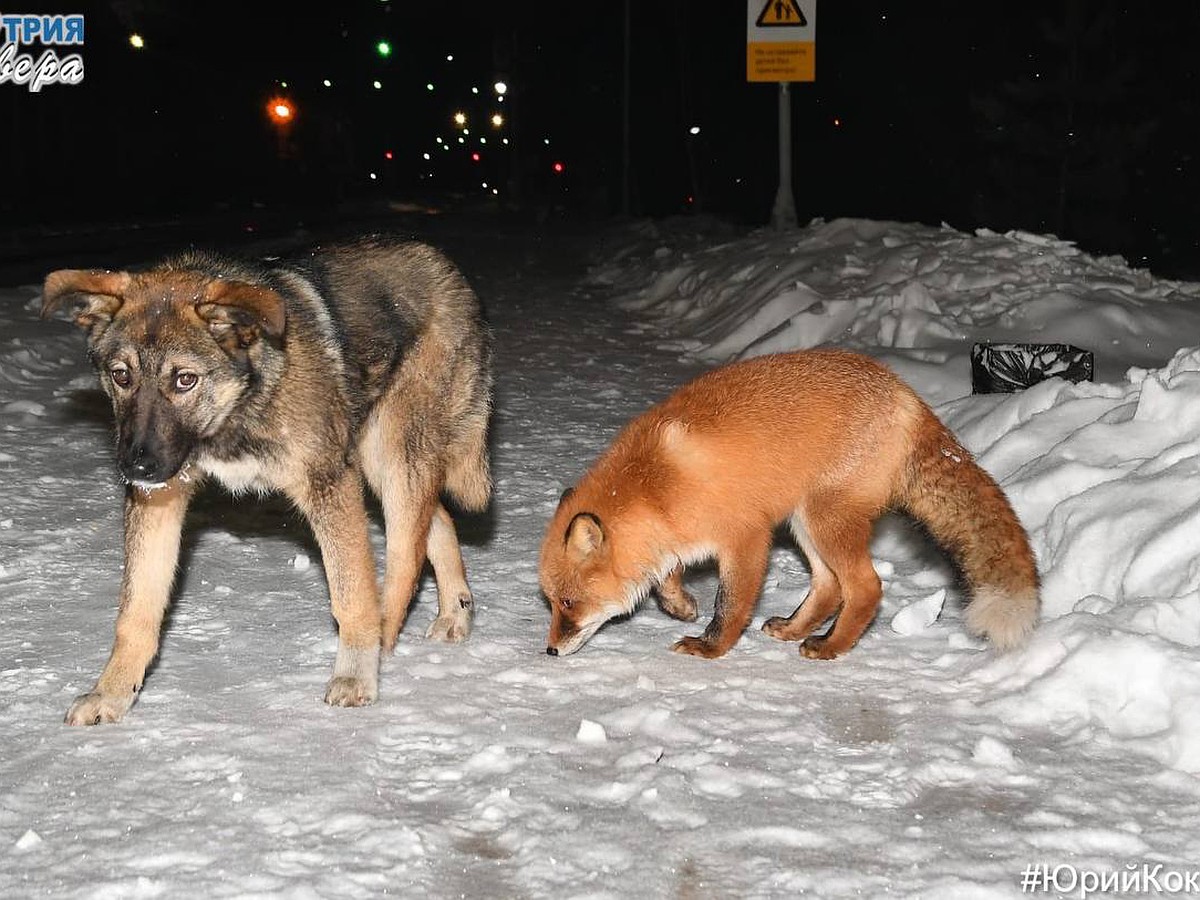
{"x":363,"y":361}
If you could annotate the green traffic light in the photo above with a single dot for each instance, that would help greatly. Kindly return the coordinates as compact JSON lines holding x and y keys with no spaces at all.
{"x":384,"y":48}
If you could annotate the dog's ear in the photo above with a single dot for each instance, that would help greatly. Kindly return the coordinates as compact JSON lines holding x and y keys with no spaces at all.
{"x":585,"y":535}
{"x":96,"y":295}
{"x":239,"y":313}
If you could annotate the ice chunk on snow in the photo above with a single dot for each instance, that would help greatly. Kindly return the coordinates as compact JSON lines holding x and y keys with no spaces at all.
{"x":590,"y":732}
{"x":994,"y":753}
{"x":918,"y":616}
{"x":28,"y":840}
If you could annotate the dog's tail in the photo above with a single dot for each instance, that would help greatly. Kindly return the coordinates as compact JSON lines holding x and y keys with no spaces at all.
{"x":469,"y":476}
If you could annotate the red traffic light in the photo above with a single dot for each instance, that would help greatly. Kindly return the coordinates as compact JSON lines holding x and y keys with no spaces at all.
{"x":558,"y":167}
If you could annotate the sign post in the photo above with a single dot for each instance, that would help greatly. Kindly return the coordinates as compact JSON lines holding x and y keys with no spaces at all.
{"x":781,"y":41}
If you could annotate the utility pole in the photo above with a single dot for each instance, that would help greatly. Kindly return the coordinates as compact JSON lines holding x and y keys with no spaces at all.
{"x":781,"y":41}
{"x":625,"y":114}
{"x":783,"y":215}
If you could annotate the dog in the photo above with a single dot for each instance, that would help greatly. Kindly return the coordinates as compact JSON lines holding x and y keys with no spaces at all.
{"x":368,"y":360}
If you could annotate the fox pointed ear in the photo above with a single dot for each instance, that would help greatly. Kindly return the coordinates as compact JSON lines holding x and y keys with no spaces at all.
{"x":585,"y":535}
{"x":563,"y":497}
{"x":96,"y":295}
{"x":239,"y":312}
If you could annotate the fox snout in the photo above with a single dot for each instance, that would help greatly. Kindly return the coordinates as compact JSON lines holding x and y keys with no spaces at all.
{"x":562,"y":630}
{"x":567,"y":635}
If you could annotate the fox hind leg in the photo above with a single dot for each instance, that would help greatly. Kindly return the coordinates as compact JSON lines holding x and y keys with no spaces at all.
{"x":823,"y":599}
{"x":843,"y":541}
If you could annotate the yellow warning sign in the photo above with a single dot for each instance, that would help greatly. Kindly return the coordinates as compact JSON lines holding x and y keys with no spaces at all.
{"x":781,"y":13}
{"x":781,"y":40}
{"x":781,"y":62}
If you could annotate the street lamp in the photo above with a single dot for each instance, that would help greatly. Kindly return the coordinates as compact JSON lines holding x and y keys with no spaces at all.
{"x":281,"y":111}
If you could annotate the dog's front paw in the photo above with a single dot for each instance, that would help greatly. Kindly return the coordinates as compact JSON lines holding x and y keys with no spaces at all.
{"x":697,"y":646}
{"x":95,"y":708}
{"x":453,"y":629}
{"x":348,"y":691}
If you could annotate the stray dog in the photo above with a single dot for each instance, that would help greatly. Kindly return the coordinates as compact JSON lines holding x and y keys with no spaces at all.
{"x":364,"y":360}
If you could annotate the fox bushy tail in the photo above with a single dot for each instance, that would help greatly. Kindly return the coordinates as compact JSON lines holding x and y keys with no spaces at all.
{"x":969,"y":515}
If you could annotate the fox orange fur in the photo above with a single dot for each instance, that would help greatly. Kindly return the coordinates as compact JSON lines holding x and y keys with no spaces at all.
{"x":825,"y":439}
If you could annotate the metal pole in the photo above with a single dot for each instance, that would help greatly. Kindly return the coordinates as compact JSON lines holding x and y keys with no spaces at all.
{"x":783,"y":216}
{"x":625,"y":163}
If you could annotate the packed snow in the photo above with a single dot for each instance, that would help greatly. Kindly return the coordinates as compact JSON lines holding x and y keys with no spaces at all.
{"x":921,"y":764}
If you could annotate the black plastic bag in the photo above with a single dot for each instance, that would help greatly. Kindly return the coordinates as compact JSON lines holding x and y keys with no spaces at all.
{"x":1004,"y":368}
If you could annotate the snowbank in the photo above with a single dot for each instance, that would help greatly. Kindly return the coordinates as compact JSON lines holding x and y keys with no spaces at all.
{"x":1105,"y":476}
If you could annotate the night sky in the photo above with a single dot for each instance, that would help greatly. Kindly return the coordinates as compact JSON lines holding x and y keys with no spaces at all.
{"x":1078,"y":118}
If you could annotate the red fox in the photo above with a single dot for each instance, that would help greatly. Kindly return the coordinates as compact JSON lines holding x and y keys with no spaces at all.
{"x":825,"y":439}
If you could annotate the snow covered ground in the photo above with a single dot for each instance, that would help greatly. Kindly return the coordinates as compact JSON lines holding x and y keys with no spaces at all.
{"x":921,"y":764}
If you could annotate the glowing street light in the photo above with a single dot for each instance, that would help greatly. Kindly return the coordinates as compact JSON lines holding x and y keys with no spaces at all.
{"x":282,"y":114}
{"x":501,"y":88}
{"x":497,"y":120}
{"x":136,"y":41}
{"x":280,"y":110}
{"x":460,"y":119}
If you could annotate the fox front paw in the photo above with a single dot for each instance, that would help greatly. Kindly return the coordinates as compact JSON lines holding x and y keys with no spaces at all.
{"x":782,"y":629}
{"x":697,"y":646}
{"x":681,"y":605}
{"x":94,"y":708}
{"x":818,"y":648}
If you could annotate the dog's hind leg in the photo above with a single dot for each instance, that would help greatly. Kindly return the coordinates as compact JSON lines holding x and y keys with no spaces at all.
{"x":407,"y":531}
{"x":153,"y":524}
{"x":408,"y":507}
{"x":455,"y":605}
{"x":400,"y":462}
{"x":338,"y":516}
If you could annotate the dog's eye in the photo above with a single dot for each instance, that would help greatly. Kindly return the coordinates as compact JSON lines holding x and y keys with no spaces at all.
{"x":121,"y":376}
{"x":185,"y":381}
